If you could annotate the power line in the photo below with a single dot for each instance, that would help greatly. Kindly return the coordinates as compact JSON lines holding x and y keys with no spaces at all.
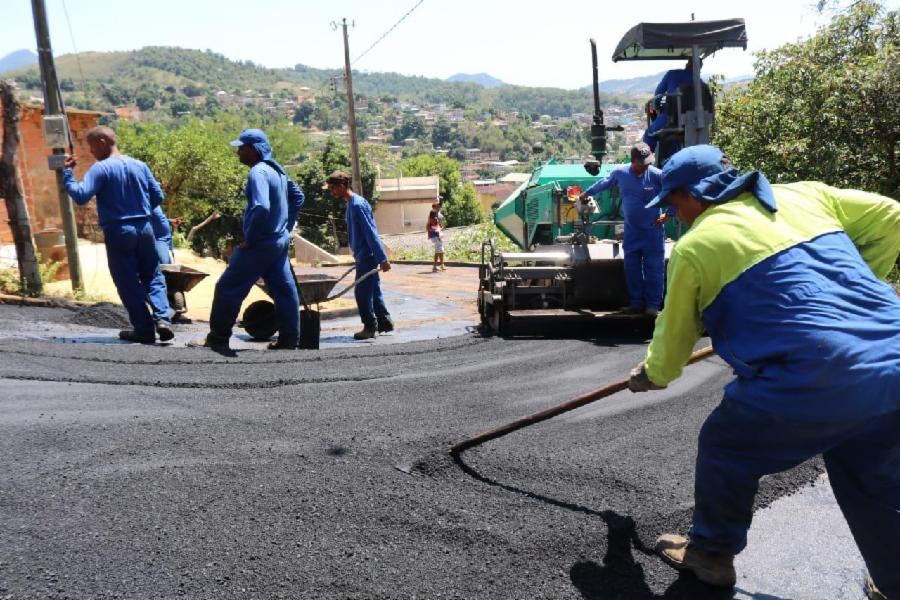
{"x":385,"y":34}
{"x":75,"y":48}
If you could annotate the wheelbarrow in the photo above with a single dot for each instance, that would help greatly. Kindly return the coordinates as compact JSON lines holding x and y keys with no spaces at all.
{"x":180,"y":280}
{"x":259,"y":318}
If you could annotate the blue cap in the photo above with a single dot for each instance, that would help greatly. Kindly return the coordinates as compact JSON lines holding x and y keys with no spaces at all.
{"x":250,"y":137}
{"x":687,"y":167}
{"x":707,"y":174}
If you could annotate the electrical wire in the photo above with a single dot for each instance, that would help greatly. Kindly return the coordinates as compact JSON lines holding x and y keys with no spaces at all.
{"x":75,"y":49}
{"x":386,"y":33}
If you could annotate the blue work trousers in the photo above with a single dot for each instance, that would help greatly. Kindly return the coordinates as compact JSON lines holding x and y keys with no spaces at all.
{"x":134,"y":266}
{"x":645,"y":266}
{"x":164,"y":251}
{"x":268,"y":260}
{"x":739,"y":444}
{"x":369,"y":299}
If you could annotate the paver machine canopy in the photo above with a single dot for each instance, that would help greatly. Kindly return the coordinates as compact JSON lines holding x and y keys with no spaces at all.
{"x":688,"y":121}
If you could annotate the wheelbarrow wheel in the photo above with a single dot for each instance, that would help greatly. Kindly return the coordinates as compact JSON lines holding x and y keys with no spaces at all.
{"x":259,"y":320}
{"x":179,"y":304}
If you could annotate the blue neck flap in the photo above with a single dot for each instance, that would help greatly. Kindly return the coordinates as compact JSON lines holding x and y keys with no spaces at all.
{"x":727,"y":185}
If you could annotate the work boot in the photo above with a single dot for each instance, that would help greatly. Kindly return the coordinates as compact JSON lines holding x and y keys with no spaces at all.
{"x":632,"y":310}
{"x":130,"y":335}
{"x":385,"y":324}
{"x":434,"y":269}
{"x":367,"y":333}
{"x":278,"y":345}
{"x":872,"y":592}
{"x":164,"y":330}
{"x":651,"y":312}
{"x":211,"y":342}
{"x":711,"y":568}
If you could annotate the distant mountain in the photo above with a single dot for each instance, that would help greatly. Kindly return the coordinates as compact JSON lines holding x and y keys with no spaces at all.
{"x":645,"y":86}
{"x":17,"y":60}
{"x":636,"y":86}
{"x":482,"y":79}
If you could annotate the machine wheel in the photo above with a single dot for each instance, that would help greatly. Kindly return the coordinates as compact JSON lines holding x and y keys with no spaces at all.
{"x":259,"y":320}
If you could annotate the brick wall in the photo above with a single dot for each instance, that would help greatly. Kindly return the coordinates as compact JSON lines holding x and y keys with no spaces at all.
{"x":39,"y":182}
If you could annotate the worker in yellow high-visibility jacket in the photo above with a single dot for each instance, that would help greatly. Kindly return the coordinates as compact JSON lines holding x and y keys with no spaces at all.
{"x":787,"y":280}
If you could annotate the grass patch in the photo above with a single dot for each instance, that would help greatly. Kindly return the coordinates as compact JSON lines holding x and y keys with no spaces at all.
{"x":463,"y":247}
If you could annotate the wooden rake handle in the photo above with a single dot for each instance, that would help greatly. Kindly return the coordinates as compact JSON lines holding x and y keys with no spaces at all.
{"x":559,"y":409}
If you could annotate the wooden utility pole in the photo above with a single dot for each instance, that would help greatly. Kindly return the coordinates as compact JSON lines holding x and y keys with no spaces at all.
{"x":354,"y":146}
{"x":53,"y":107}
{"x":16,"y":209}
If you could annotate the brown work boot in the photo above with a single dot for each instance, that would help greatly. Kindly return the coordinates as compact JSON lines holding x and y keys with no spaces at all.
{"x":367,"y":333}
{"x":713,"y":569}
{"x":872,"y":592}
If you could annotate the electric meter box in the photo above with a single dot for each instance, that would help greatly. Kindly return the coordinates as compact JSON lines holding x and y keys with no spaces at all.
{"x":56,"y":131}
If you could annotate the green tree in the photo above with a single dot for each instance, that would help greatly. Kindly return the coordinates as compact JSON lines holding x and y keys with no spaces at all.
{"x":323,"y":216}
{"x":463,"y":207}
{"x":198,"y":171}
{"x":825,"y":108}
{"x":441,"y":132}
{"x":303,"y":114}
{"x":145,"y":100}
{"x":425,"y":165}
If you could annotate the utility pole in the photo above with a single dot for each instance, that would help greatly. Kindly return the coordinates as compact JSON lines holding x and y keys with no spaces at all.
{"x":54,"y":120}
{"x":354,"y":146}
{"x":16,"y":209}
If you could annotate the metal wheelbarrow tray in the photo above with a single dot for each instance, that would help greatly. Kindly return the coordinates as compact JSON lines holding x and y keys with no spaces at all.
{"x":180,"y":280}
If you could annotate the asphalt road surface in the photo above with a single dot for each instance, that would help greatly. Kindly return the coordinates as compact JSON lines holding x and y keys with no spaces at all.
{"x":150,"y":472}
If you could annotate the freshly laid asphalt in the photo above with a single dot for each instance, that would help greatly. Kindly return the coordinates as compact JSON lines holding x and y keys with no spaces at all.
{"x":148,"y":472}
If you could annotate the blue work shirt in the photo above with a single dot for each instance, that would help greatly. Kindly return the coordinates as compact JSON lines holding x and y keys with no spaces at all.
{"x":162,"y":230}
{"x":125,"y":189}
{"x":273,"y":202}
{"x":670,"y":82}
{"x":635,"y":192}
{"x":362,"y":234}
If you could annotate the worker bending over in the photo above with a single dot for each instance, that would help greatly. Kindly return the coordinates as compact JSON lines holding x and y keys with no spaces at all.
{"x":127,"y":193}
{"x":273,"y":203}
{"x":787,"y":281}
{"x":644,"y":242}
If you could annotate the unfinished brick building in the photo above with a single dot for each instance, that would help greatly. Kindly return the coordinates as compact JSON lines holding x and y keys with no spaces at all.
{"x":39,"y":182}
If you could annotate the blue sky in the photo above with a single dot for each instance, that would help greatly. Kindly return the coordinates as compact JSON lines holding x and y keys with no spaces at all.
{"x":525,"y":42}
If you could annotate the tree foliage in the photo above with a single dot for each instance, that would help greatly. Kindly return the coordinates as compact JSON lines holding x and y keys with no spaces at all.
{"x":826,"y":108}
{"x":463,"y":208}
{"x":426,"y":165}
{"x":322,"y":217}
{"x":198,"y":171}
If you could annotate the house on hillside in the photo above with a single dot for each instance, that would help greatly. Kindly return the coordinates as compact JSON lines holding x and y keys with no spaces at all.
{"x":404,"y":203}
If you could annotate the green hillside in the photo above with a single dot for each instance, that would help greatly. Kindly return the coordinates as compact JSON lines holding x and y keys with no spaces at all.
{"x":103,"y":80}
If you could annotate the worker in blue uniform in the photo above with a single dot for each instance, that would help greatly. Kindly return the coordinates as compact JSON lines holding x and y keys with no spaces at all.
{"x":644,"y":242}
{"x":788,"y":282}
{"x":369,"y":254}
{"x":162,"y":231}
{"x":273,"y":203}
{"x":667,"y":85}
{"x":126,"y":193}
